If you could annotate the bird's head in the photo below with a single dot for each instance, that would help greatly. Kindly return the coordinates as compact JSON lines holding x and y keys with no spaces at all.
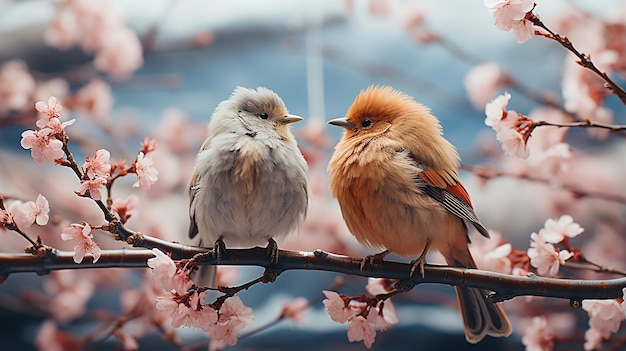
{"x":259,"y":111}
{"x":379,"y":109}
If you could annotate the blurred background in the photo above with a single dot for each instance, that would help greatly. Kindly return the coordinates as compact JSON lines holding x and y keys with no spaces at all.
{"x":162,"y":74}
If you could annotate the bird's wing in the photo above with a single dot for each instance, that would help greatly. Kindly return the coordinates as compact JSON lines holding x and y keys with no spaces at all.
{"x":193,"y":190}
{"x":446,"y":189}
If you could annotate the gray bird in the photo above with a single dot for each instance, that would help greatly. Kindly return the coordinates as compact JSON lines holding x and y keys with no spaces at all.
{"x":249,"y":185}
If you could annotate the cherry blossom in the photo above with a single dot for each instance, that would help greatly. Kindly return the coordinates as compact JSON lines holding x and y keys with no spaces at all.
{"x":506,"y":12}
{"x":50,"y":338}
{"x":68,"y":294}
{"x":119,"y":53}
{"x":359,"y":329}
{"x":483,"y":81}
{"x":86,"y":245}
{"x":43,"y":146}
{"x":497,"y":260}
{"x":336,"y":307}
{"x":593,"y":339}
{"x":124,"y":208}
{"x":539,"y":335}
{"x":167,"y":274}
{"x":25,"y":214}
{"x":16,"y":86}
{"x":93,"y":186}
{"x":94,"y":100}
{"x":50,"y":109}
{"x":99,"y":166}
{"x":545,"y":257}
{"x":555,"y":231}
{"x":6,"y":218}
{"x":296,"y":309}
{"x":146,"y":173}
{"x":509,"y":126}
{"x":604,"y":315}
{"x":523,"y":30}
{"x":233,"y":316}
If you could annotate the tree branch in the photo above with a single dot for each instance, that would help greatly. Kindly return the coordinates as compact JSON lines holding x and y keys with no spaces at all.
{"x":504,"y":286}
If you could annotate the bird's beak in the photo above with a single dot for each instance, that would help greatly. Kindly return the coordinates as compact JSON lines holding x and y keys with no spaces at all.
{"x":291,"y":119}
{"x":342,"y":122}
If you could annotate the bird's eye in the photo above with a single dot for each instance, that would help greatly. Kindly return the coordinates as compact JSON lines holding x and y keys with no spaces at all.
{"x":264,"y":116}
{"x":366,"y":123}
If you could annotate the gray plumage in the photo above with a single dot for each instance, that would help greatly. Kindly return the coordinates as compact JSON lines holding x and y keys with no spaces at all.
{"x":250,"y":180}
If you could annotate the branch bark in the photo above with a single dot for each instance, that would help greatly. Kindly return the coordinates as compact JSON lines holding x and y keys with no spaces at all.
{"x":504,"y":286}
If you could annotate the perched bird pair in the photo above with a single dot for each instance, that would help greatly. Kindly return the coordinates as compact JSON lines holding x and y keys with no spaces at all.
{"x":394,"y":174}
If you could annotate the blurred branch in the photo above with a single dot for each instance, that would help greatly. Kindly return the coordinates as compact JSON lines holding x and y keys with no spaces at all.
{"x":504,"y":286}
{"x":584,"y":124}
{"x":584,"y":59}
{"x":489,"y":173}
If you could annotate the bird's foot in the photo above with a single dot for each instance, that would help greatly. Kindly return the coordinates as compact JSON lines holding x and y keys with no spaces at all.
{"x":272,"y":250}
{"x":219,"y":249}
{"x":372,"y":258}
{"x":420,"y":261}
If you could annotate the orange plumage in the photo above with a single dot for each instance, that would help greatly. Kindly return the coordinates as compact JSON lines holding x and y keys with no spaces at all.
{"x":396,"y":179}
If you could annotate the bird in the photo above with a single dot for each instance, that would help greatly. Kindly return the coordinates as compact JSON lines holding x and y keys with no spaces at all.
{"x":249,"y":184}
{"x":396,"y":179}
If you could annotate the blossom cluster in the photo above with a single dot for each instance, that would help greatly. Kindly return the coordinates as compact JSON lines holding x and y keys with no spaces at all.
{"x":182,"y":301}
{"x":364,"y":315}
{"x":45,"y":143}
{"x":542,"y":252}
{"x":97,"y":27}
{"x":512,"y":15}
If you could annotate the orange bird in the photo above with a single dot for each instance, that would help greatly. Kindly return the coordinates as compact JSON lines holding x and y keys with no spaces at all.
{"x":396,"y":179}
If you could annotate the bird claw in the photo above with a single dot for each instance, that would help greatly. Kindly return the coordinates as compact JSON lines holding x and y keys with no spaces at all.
{"x":372,"y":258}
{"x":420,"y":261}
{"x":272,"y":251}
{"x":219,"y":249}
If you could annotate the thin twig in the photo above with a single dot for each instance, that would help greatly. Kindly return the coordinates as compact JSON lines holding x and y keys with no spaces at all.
{"x":584,"y":59}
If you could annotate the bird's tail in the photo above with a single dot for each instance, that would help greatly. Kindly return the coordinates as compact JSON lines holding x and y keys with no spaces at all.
{"x":205,"y":275}
{"x":480,"y":316}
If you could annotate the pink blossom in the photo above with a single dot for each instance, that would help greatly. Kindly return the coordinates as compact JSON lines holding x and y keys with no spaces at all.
{"x":513,"y":143}
{"x":233,"y":316}
{"x":50,"y":338}
{"x":94,"y":99}
{"x":538,"y":336}
{"x":119,"y":53}
{"x":523,"y":30}
{"x":168,"y":274}
{"x":544,"y":256}
{"x":623,"y":304}
{"x":50,"y":109}
{"x":555,"y":231}
{"x":63,"y":32}
{"x":336,"y":307}
{"x":68,"y":294}
{"x":129,"y":343}
{"x":593,"y":339}
{"x":359,"y":329}
{"x":295,"y":309}
{"x":44,"y":147}
{"x":57,"y":126}
{"x":17,"y":86}
{"x":495,"y":110}
{"x":99,"y":166}
{"x":227,"y":275}
{"x":604,"y":315}
{"x":93,"y":186}
{"x":506,"y":12}
{"x":124,"y":208}
{"x":30,"y":212}
{"x":383,"y":315}
{"x":193,"y":314}
{"x":146,"y":173}
{"x":379,"y":286}
{"x":86,"y":245}
{"x":498,"y":259}
{"x":483,"y":81}
{"x":6,"y":218}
